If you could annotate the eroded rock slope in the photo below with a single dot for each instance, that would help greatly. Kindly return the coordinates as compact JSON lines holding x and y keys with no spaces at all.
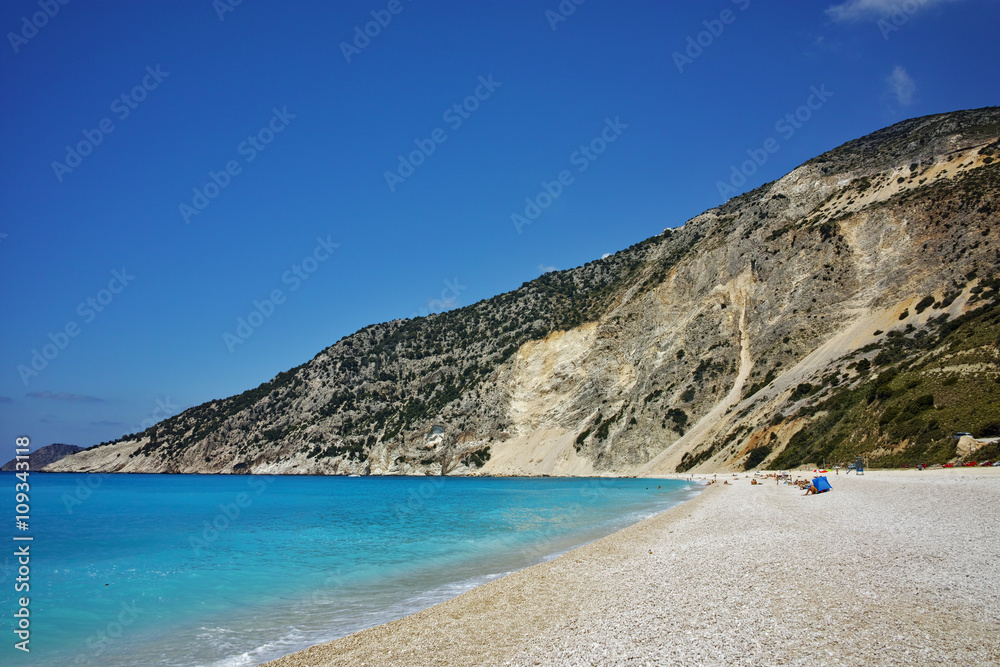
{"x":714,"y":345}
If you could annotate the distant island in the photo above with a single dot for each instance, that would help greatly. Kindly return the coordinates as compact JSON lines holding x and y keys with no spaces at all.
{"x":43,"y":456}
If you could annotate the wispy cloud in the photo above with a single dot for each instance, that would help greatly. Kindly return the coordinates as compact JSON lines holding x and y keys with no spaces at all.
{"x":6,"y":399}
{"x":606,"y":255}
{"x":63,"y":396}
{"x":546,"y":269}
{"x":858,"y":10}
{"x":901,"y":86}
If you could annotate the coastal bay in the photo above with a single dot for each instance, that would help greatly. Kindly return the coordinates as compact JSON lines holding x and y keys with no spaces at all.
{"x":895,"y":567}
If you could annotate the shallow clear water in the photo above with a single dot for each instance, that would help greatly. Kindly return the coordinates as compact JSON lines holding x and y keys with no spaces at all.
{"x":236,"y":570}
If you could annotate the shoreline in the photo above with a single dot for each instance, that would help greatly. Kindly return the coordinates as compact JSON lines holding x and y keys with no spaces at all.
{"x":896,"y":565}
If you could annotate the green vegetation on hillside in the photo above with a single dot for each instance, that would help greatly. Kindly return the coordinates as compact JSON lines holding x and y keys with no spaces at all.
{"x":389,"y":378}
{"x":385,"y":387}
{"x":923,"y":386}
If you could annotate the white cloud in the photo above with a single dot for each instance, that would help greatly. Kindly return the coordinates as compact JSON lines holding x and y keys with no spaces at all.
{"x":902,"y":86}
{"x":606,"y":255}
{"x":856,"y":10}
{"x":546,"y":269}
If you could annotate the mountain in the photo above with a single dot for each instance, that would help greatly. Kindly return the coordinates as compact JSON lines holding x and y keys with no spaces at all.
{"x":43,"y":456}
{"x":848,"y":308}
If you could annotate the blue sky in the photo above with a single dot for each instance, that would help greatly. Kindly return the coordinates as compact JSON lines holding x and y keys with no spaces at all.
{"x":169,"y":164}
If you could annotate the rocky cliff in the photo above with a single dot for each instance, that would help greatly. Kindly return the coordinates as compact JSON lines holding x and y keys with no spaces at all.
{"x":807,"y":320}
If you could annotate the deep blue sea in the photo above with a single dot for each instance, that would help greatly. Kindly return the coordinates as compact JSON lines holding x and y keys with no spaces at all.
{"x":235,"y":570}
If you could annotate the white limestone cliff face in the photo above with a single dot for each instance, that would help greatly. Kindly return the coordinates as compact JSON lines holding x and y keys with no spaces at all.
{"x":700,"y":338}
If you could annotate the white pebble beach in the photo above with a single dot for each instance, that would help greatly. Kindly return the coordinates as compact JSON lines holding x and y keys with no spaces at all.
{"x":891,"y":568}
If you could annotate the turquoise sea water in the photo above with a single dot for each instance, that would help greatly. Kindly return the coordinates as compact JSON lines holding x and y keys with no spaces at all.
{"x":235,"y":570}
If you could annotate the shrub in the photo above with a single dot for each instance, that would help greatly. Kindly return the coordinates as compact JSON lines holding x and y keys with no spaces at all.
{"x":991,"y":430}
{"x":888,"y":416}
{"x":757,"y":455}
{"x":802,"y":391}
{"x":679,"y":418}
{"x":924,"y":303}
{"x":479,"y":457}
{"x":688,"y":461}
